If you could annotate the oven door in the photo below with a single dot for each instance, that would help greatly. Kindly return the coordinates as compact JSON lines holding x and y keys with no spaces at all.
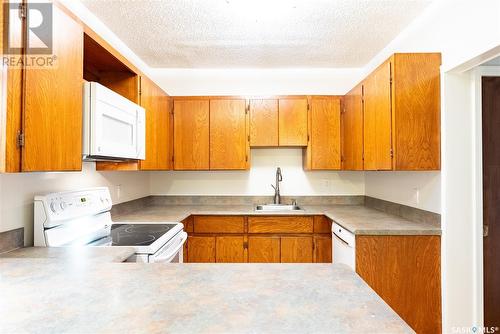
{"x":172,"y":252}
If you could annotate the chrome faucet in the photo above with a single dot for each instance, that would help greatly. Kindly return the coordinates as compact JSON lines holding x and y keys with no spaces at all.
{"x":279,"y":178}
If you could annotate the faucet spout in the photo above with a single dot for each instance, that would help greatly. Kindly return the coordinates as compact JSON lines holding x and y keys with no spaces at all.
{"x":279,"y":178}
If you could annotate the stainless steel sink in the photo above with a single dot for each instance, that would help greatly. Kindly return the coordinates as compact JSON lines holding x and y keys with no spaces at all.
{"x":277,"y":207}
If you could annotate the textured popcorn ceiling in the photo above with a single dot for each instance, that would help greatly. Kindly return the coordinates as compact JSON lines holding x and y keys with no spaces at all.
{"x":256,"y":33}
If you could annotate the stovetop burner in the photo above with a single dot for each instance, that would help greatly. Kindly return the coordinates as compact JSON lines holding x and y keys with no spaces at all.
{"x":137,"y":234}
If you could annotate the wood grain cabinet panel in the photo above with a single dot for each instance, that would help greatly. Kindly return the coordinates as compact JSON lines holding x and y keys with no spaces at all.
{"x":296,"y":249}
{"x":230,"y":249}
{"x":377,"y":119}
{"x":264,"y":249}
{"x":53,"y":103}
{"x":201,"y":249}
{"x":219,"y":224}
{"x":352,"y":130}
{"x":229,"y":147}
{"x":158,"y":127}
{"x":292,"y":122}
{"x":406,"y":272}
{"x":273,"y":224}
{"x":402,"y":113}
{"x":264,"y":122}
{"x":323,"y":150}
{"x":322,"y":225}
{"x":191,"y":134}
{"x":416,"y":111}
{"x":322,"y":249}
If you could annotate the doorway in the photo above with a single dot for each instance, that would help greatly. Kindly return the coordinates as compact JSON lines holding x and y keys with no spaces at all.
{"x":490,"y":89}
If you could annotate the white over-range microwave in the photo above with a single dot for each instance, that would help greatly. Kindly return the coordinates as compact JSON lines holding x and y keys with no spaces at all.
{"x":113,"y":126}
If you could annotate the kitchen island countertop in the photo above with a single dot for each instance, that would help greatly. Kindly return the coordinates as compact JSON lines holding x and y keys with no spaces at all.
{"x":49,"y":296}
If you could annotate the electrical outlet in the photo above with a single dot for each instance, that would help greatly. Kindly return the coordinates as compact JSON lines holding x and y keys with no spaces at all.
{"x":327,"y":183}
{"x":118,"y":191}
{"x":417,"y":195}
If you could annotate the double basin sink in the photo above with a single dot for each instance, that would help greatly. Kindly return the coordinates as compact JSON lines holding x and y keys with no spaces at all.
{"x":278,"y":208}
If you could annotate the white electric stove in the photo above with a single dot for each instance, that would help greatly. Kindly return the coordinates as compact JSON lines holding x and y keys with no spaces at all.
{"x":83,"y":218}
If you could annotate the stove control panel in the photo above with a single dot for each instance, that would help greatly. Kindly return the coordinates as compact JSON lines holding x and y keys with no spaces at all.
{"x":62,"y":206}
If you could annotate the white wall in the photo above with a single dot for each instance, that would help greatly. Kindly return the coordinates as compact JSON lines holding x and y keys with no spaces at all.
{"x":258,"y":180}
{"x":17,"y":192}
{"x":416,"y":189}
{"x":189,"y":82}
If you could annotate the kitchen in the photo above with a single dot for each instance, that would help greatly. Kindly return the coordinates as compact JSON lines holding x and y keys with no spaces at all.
{"x":366,"y":142}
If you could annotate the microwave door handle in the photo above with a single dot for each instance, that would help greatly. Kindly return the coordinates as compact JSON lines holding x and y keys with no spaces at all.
{"x":172,"y":253}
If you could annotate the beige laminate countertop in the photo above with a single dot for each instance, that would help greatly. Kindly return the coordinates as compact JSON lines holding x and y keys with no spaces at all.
{"x":73,"y":254}
{"x":50,"y":296}
{"x":358,"y":219}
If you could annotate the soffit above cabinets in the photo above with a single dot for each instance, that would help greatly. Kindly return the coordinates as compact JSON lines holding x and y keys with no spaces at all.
{"x":257,"y":33}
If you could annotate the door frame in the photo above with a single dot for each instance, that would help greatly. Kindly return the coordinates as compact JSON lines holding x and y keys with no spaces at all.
{"x":477,"y":74}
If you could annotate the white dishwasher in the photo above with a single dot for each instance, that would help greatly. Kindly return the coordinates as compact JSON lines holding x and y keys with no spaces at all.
{"x":344,"y":248}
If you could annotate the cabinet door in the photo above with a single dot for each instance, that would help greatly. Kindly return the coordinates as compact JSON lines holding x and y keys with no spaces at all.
{"x":53,"y":103}
{"x":230,"y":249}
{"x":322,"y":249}
{"x":264,"y":123}
{"x":228,"y":136}
{"x":323,"y":150}
{"x":352,"y":132}
{"x":201,"y":249}
{"x":158,"y":127}
{"x":191,"y":134}
{"x":264,"y":249}
{"x":292,"y":121}
{"x":297,"y":249}
{"x":405,"y":271}
{"x":377,"y":119}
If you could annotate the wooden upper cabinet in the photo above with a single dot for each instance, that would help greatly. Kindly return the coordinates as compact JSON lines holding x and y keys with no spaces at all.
{"x":53,"y":103}
{"x":402,"y":113}
{"x":158,"y":127}
{"x":352,"y":130}
{"x":378,"y":119}
{"x":264,"y":122}
{"x":293,"y":121}
{"x":191,"y":134}
{"x":229,"y":147}
{"x":324,"y":148}
{"x":416,"y":111}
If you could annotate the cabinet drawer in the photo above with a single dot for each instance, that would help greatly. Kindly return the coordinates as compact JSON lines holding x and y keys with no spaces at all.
{"x":280,"y":224}
{"x":322,"y":225}
{"x":219,"y":224}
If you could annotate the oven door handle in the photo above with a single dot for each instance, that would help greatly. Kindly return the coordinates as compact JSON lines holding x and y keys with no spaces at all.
{"x":172,"y":254}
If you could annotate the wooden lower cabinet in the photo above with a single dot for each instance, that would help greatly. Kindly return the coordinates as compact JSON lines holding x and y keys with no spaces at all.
{"x":262,"y":239}
{"x":296,"y":249}
{"x":322,"y":249}
{"x":230,"y":249}
{"x":264,"y":249}
{"x":406,"y":272}
{"x":201,"y":249}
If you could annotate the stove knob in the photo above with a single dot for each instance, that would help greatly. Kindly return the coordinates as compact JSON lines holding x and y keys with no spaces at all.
{"x":53,"y":207}
{"x":63,"y":205}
